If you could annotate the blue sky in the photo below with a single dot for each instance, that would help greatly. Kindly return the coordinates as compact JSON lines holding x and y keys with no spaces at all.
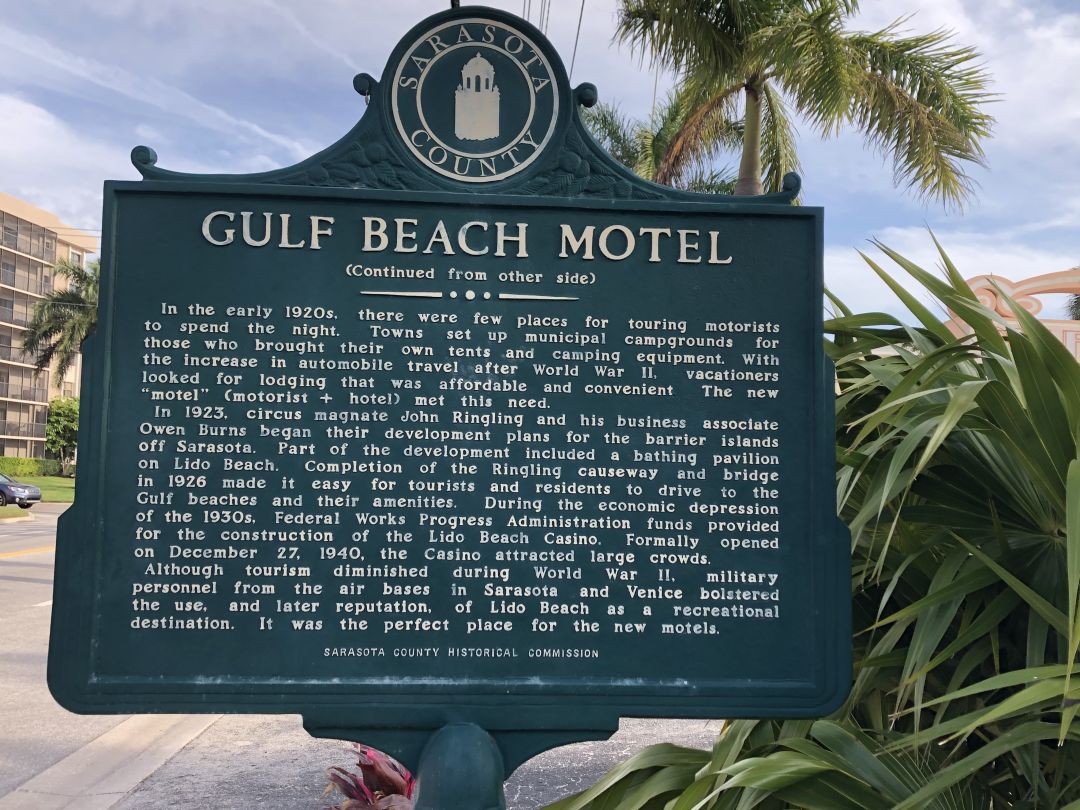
{"x":248,"y":85}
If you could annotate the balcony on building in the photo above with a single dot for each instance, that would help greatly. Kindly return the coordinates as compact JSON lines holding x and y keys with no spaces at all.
{"x":32,"y":240}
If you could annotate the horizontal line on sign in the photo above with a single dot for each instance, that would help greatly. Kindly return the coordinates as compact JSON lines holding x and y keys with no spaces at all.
{"x":520,"y":297}
{"x":403,"y":294}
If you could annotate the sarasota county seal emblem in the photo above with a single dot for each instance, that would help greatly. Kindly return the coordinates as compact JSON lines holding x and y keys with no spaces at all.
{"x":475,"y":100}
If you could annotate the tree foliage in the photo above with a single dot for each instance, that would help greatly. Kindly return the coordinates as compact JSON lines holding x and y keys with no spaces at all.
{"x":917,"y":99}
{"x":653,"y":148}
{"x":62,"y":428}
{"x":64,"y":318}
{"x":959,"y":475}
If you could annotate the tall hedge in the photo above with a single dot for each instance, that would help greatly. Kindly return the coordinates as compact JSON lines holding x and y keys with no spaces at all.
{"x":19,"y":467}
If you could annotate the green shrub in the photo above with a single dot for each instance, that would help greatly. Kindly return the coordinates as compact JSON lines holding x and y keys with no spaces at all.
{"x":62,"y":429}
{"x":959,"y":476}
{"x":19,"y":467}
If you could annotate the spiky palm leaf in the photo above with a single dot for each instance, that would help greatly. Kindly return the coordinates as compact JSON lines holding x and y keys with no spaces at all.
{"x":959,"y":475}
{"x":916,"y":98}
{"x":64,"y":318}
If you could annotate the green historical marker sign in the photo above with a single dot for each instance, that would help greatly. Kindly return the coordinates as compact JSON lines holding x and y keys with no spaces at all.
{"x":455,"y":422}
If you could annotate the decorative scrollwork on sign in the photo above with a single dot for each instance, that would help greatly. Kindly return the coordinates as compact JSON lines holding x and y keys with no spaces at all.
{"x":582,"y":172}
{"x":371,"y":156}
{"x":143,"y":157}
{"x":579,"y":171}
{"x":371,"y":165}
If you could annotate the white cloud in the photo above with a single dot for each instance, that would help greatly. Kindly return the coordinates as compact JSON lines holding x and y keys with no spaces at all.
{"x":50,"y":164}
{"x":148,"y":134}
{"x":1032,"y":56}
{"x":849,"y":277}
{"x":258,"y":72}
{"x":143,"y":89}
{"x":298,"y":27}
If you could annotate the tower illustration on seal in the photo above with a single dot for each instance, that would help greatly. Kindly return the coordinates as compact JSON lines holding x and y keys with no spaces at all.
{"x":476,"y":108}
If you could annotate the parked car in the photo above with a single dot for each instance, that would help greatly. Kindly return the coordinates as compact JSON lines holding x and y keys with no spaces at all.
{"x":11,"y":491}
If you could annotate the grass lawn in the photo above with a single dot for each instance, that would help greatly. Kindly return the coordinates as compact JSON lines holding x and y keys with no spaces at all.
{"x":53,"y":488}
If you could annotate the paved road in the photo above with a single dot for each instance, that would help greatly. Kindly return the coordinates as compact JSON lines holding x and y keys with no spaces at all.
{"x":34,"y":731}
{"x":19,"y":535}
{"x":50,"y":758}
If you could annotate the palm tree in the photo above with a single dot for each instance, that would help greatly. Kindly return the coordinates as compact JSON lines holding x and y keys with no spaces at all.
{"x":651,"y":148}
{"x":1072,"y":308}
{"x":918,"y":99}
{"x":64,"y":318}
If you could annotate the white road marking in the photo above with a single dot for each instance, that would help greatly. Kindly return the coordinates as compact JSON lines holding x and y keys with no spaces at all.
{"x":46,"y":603}
{"x":100,"y":773}
{"x":7,"y":555}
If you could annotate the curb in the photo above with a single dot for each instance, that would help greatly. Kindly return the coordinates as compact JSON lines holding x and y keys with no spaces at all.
{"x":101,"y":773}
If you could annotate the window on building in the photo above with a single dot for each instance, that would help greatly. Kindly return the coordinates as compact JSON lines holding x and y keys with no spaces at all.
{"x":7,"y":268}
{"x":34,"y":278}
{"x":40,"y":383}
{"x":25,"y":384}
{"x":37,"y":242}
{"x":22,"y":273}
{"x":10,"y":231}
{"x":23,"y":309}
{"x":24,"y":236}
{"x":76,"y":257}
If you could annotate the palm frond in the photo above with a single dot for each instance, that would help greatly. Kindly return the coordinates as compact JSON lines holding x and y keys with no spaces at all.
{"x":808,"y":54}
{"x":778,"y":151}
{"x":677,"y":145}
{"x":714,"y":181}
{"x":63,"y":319}
{"x":613,"y":131}
{"x":703,"y":122}
{"x":920,"y":101}
{"x":675,"y":35}
{"x":958,"y":448}
{"x":1073,"y":307}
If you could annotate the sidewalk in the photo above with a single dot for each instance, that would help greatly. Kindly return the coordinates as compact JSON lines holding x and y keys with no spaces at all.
{"x":242,"y":762}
